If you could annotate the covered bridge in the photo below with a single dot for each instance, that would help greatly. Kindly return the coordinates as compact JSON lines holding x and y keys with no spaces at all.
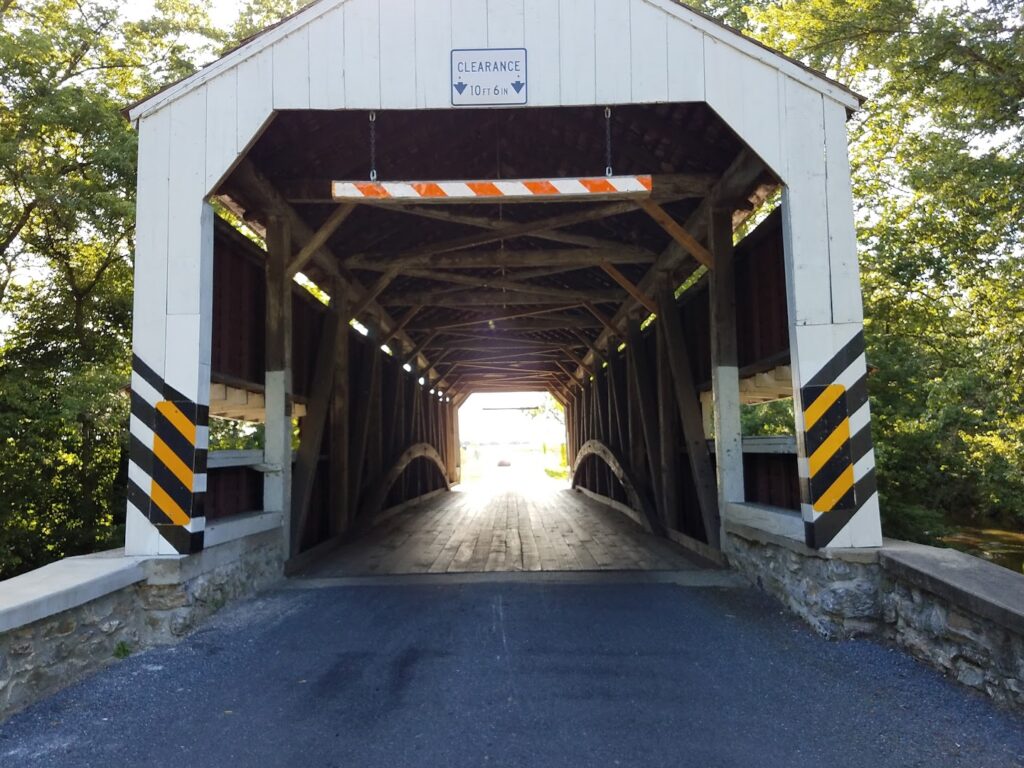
{"x":622,"y":203}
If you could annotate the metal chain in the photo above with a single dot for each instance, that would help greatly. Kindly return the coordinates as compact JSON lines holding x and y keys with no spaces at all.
{"x":373,"y":146}
{"x":607,"y":141}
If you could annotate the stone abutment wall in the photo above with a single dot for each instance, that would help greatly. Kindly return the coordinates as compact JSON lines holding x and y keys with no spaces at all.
{"x":41,"y":657}
{"x":957,"y":613}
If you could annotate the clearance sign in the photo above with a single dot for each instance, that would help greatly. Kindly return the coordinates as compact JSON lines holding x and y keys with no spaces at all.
{"x":488,"y":76}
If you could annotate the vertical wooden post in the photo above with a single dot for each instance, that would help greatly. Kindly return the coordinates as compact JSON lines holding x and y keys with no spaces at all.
{"x":277,"y":450}
{"x":315,"y":421}
{"x":369,"y":382}
{"x":668,"y":431}
{"x":637,"y":455}
{"x":689,"y":412}
{"x":725,"y":382}
{"x":641,"y":373}
{"x":341,"y":407}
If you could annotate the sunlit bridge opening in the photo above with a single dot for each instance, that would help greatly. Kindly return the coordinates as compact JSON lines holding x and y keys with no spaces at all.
{"x":513,"y":439}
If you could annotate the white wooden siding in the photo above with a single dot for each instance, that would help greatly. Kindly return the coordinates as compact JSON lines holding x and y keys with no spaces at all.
{"x":505,"y":24}
{"x":685,"y":62}
{"x":648,"y":32}
{"x":468,"y":22}
{"x":805,"y":214}
{"x":543,"y":29}
{"x":327,"y":60}
{"x":576,"y":25}
{"x":433,"y":52}
{"x":291,"y":71}
{"x":613,"y":59}
{"x":398,"y":71}
{"x":150,"y":317}
{"x":847,"y":305}
{"x":577,"y":68}
{"x":362,"y":54}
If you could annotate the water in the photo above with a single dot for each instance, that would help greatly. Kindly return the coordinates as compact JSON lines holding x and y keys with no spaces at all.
{"x":1005,"y":548}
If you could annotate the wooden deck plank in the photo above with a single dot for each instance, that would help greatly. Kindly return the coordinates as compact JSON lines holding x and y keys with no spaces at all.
{"x":549,"y":528}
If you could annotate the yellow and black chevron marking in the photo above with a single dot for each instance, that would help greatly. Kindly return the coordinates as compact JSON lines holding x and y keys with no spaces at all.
{"x":163,"y":449}
{"x":831,"y":449}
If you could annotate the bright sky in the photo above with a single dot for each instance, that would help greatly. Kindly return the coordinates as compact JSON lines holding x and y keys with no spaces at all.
{"x":493,"y":417}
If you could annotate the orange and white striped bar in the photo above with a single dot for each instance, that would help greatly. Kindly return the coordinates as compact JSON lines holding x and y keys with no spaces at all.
{"x":494,"y":190}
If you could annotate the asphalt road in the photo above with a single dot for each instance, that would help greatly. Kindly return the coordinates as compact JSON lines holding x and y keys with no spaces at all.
{"x":513,"y":674}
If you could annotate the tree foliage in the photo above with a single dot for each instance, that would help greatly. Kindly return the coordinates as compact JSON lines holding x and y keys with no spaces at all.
{"x":67,"y":180}
{"x":938,"y":159}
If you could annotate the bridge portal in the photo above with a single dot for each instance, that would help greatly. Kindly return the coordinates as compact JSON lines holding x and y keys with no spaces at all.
{"x":369,"y":212}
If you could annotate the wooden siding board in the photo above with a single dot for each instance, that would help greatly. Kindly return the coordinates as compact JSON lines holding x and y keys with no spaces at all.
{"x":255,"y":95}
{"x":469,"y":24}
{"x":398,"y":71}
{"x":685,"y":46}
{"x":327,"y":61}
{"x":543,"y":30}
{"x":149,"y":319}
{"x":745,"y":93}
{"x":648,"y":53}
{"x":804,"y":210}
{"x":433,"y":52}
{"x":187,"y":188}
{"x":505,"y":23}
{"x":847,"y":306}
{"x":362,"y":54}
{"x":291,"y":71}
{"x":613,"y":59}
{"x":577,"y":52}
{"x":221,"y":127}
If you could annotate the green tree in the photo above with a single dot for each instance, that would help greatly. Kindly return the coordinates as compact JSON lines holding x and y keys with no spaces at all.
{"x":938,"y":158}
{"x":67,"y":180}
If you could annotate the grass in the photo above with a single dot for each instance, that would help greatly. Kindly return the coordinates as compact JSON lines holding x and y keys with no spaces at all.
{"x":122,"y":650}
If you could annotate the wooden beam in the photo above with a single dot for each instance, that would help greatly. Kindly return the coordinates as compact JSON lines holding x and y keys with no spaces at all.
{"x":742,"y":175}
{"x":277,"y":450}
{"x":525,"y":320}
{"x":627,"y":285}
{"x":678,"y":233}
{"x":316,"y":419}
{"x":255,"y":184}
{"x":725,"y":383}
{"x":602,"y":318}
{"x":484,"y":222}
{"x":517,"y":285}
{"x":668,"y":434}
{"x":576,"y":258}
{"x":374,"y":291}
{"x":338,"y":461}
{"x":567,"y":372}
{"x":688,"y":403}
{"x":320,"y":237}
{"x":369,"y":381}
{"x":589,"y":345}
{"x":507,"y":232}
{"x":411,"y":359}
{"x":569,"y":353}
{"x":403,"y":322}
{"x":642,"y":375}
{"x":499,"y":298}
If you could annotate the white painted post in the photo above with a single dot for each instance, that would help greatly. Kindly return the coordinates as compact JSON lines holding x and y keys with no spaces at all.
{"x":725,"y":381}
{"x":834,"y":450}
{"x":277,"y":444}
{"x":171,"y":338}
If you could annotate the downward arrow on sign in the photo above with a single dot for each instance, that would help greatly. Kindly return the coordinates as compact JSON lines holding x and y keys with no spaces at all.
{"x":517,"y":85}
{"x":460,"y":87}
